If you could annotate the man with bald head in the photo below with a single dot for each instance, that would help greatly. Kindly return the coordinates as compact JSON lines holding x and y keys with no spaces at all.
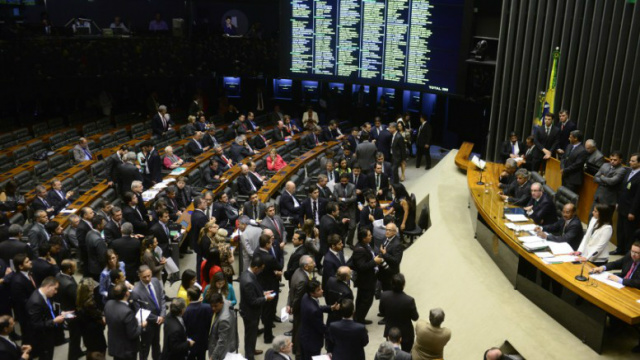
{"x":540,"y":208}
{"x":391,"y":252}
{"x":568,"y":229}
{"x":289,"y":203}
{"x":246,"y":186}
{"x":338,"y":288}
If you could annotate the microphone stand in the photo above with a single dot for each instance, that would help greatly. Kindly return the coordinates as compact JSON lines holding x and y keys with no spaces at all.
{"x":481,"y":170}
{"x":581,"y":277}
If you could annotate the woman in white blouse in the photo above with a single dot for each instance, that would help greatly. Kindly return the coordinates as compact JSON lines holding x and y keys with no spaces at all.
{"x":597,"y":237}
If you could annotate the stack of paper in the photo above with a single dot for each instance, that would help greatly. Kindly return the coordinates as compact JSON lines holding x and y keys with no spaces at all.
{"x":604,"y":278}
{"x":544,"y":254}
{"x":516,"y":217}
{"x":535,"y":245}
{"x":178,"y":171}
{"x":150,"y":194}
{"x":530,"y":239}
{"x":559,"y":247}
{"x":560,"y":259}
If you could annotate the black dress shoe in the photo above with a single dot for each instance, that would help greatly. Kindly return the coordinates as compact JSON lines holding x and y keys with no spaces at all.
{"x":616,"y":252}
{"x":288,"y":333}
{"x":273,"y":326}
{"x":188,"y":252}
{"x":380,"y":315}
{"x":257,"y":352}
{"x":368,"y":322}
{"x":382,"y":322}
{"x":277,"y":319}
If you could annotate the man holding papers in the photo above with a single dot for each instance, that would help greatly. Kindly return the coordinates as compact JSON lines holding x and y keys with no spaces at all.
{"x":629,"y":264}
{"x":540,"y":208}
{"x":568,"y":229}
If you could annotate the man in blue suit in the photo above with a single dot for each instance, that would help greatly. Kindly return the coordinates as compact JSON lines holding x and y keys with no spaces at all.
{"x":197,"y":321}
{"x":346,"y":338}
{"x":383,"y":143}
{"x":312,"y":328}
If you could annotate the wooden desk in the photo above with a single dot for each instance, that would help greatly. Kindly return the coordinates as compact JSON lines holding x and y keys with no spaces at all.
{"x":462,"y":157}
{"x":587,"y":192}
{"x":587,"y":325}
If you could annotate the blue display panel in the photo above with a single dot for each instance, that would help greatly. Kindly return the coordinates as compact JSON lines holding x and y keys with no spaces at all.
{"x":310,"y":90}
{"x":411,"y":100}
{"x":231,"y":86}
{"x":282,"y":89}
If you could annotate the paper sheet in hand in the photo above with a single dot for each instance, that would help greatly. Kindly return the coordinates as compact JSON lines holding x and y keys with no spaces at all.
{"x":144,"y":313}
{"x":516,"y":217}
{"x":603,"y":277}
{"x":321,"y":357}
{"x":559,"y":247}
{"x":284,"y":315}
{"x":233,"y":356}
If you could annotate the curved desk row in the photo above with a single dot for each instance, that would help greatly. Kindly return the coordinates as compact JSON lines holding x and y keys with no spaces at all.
{"x":585,"y":319}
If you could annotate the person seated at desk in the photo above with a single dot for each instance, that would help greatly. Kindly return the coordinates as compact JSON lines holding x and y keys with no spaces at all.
{"x":540,"y":208}
{"x":229,"y":29}
{"x":260,"y":141}
{"x":274,"y":161}
{"x":568,"y":229}
{"x":171,"y":160}
{"x":519,"y":193}
{"x":118,"y":26}
{"x":195,"y":146}
{"x":310,"y":116}
{"x":532,"y":156}
{"x":507,"y":176}
{"x":512,"y":148}
{"x":594,"y":243}
{"x":628,"y":264}
{"x":158,"y":24}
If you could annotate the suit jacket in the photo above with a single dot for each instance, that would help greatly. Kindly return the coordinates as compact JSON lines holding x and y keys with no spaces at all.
{"x":193,"y":149}
{"x":328,"y":134}
{"x":364,"y":216}
{"x":347,"y":339}
{"x":544,"y":141}
{"x":393,"y":257}
{"x":11,"y":247}
{"x":279,"y":134}
{"x":362,"y":183}
{"x":197,"y":317}
{"x":9,"y":351}
{"x":129,"y":214}
{"x":533,"y":158}
{"x":307,"y":207}
{"x":335,"y":175}
{"x":42,"y":329}
{"x":573,"y":164}
{"x":398,"y":310}
{"x":210,"y":141}
{"x":81,"y":232}
{"x":21,"y":289}
{"x":123,"y":330}
{"x":430,"y":341}
{"x":506,"y":149}
{"x":126,"y":174}
{"x":175,"y":346}
{"x":312,"y":329}
{"x":272,"y":355}
{"x":38,"y":204}
{"x":239,"y":152}
{"x":37,"y":236}
{"x":288,"y":206}
{"x":336,"y":292}
{"x":128,"y":250}
{"x":79,"y":154}
{"x":198,"y":221}
{"x":519,"y":195}
{"x":571,"y":233}
{"x":58,"y":202}
{"x":364,"y":265}
{"x":42,"y":269}
{"x":140,"y":292}
{"x":328,"y":226}
{"x":423,"y":137}
{"x":112,"y":231}
{"x":325,"y":192}
{"x":563,"y":133}
{"x":624,"y":264}
{"x":158,"y":127}
{"x":259,"y":141}
{"x":383,"y":143}
{"x":154,"y":164}
{"x":330,"y":265}
{"x":267,"y":279}
{"x":185,"y":195}
{"x":310,"y":140}
{"x":384,"y":183}
{"x":244,"y":185}
{"x":224,"y":334}
{"x":294,"y":261}
{"x":112,"y":163}
{"x":346,"y":197}
{"x":96,"y":251}
{"x":251,"y":295}
{"x":375,"y":132}
{"x":353,"y":143}
{"x":610,"y":181}
{"x":67,"y":292}
{"x":544,"y":211}
{"x":164,"y":242}
{"x":248,"y":209}
{"x":297,"y":289}
{"x":398,"y":148}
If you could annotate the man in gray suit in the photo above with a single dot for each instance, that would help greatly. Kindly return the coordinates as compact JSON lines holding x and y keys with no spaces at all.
{"x":345,"y":194}
{"x":366,"y":152}
{"x":274,"y":223}
{"x":38,"y":234}
{"x":249,"y":238}
{"x":223,"y":337}
{"x":81,"y":151}
{"x":96,"y":247}
{"x":297,"y":289}
{"x":123,"y":330}
{"x":149,"y":295}
{"x":609,"y":179}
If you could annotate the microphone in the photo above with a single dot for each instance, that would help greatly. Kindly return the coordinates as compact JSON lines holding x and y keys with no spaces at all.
{"x":131,"y":301}
{"x":581,"y":277}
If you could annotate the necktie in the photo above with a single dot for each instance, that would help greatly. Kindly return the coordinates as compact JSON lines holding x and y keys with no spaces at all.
{"x":315,"y":138}
{"x":356,"y":180}
{"x":273,"y":252}
{"x":275,"y":224}
{"x":60,"y":194}
{"x":315,"y":211}
{"x":87,"y":153}
{"x":513,"y":149}
{"x":631,"y":271}
{"x":46,"y":204}
{"x":197,"y":143}
{"x":208,"y":213}
{"x":213,"y":322}
{"x":153,"y":296}
{"x":255,"y":212}
{"x":32,"y":281}
{"x":166,"y":230}
{"x":253,"y":188}
{"x":386,"y":243}
{"x":53,"y":316}
{"x":548,"y":130}
{"x":139,"y":213}
{"x":341,"y":256}
{"x":562,"y":127}
{"x":330,"y":173}
{"x":377,"y":182}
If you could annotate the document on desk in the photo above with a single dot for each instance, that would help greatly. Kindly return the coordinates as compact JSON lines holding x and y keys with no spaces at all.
{"x":516,"y":218}
{"x":604,"y":277}
{"x":535,"y":245}
{"x":528,"y":239}
{"x":558,"y":248}
{"x":544,"y":254}
{"x":559,"y":259}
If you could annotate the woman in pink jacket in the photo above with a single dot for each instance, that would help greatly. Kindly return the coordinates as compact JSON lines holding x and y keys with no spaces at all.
{"x":274,"y":161}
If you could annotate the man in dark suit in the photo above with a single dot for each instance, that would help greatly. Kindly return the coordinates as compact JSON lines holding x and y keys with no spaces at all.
{"x":195,"y":146}
{"x":628,"y":206}
{"x":312,"y":328}
{"x":176,"y":344}
{"x":128,"y":249}
{"x":274,"y":223}
{"x":398,"y":310}
{"x":378,"y":128}
{"x":260,"y":141}
{"x":423,"y":143}
{"x":153,"y":165}
{"x":113,"y":162}
{"x":346,"y":339}
{"x":391,"y":251}
{"x":9,"y":350}
{"x":289,"y":204}
{"x":379,"y":182}
{"x":43,"y":321}
{"x":329,"y":225}
{"x":386,"y":166}
{"x":38,"y":235}
{"x":545,"y":137}
{"x":84,"y":226}
{"x":398,"y":152}
{"x":13,"y":245}
{"x":132,"y":214}
{"x":338,"y":288}
{"x":22,"y":286}
{"x":383,"y":142}
{"x":565,"y":127}
{"x":628,"y":264}
{"x":57,"y":197}
{"x":246,"y":185}
{"x":314,"y":206}
{"x":281,"y":349}
{"x":333,"y":259}
{"x":345,"y":194}
{"x":254,"y":208}
{"x":511,"y":148}
{"x":224,"y":161}
{"x":331,"y":132}
{"x":518,"y":192}
{"x":299,"y":249}
{"x":280,"y":133}
{"x":149,"y":294}
{"x":96,"y":248}
{"x":297,"y":288}
{"x":197,"y":320}
{"x":532,"y":155}
{"x":353,"y":139}
{"x":123,"y":331}
{"x":40,"y":202}
{"x":209,"y":139}
{"x":239,"y":150}
{"x":331,"y":174}
{"x":540,"y":208}
{"x":269,"y":280}
{"x":66,"y":297}
{"x":568,"y":229}
{"x":44,"y":265}
{"x":366,"y":264}
{"x":610,"y":179}
{"x":198,"y":220}
{"x":159,"y":124}
{"x":172,"y":202}
{"x":370,"y":213}
{"x":212,"y":174}
{"x":160,"y":231}
{"x":325,"y":193}
{"x":184,"y":193}
{"x":113,"y":230}
{"x":572,"y":164}
{"x":252,"y":298}
{"x":223,"y":338}
{"x":312,"y":140}
{"x":127,"y":173}
{"x":360,"y":180}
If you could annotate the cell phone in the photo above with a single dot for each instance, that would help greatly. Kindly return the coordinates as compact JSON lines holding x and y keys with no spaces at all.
{"x":576,"y":262}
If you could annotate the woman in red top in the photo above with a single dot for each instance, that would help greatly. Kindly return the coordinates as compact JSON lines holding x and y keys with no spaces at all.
{"x":210,"y":266}
{"x":274,"y":161}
